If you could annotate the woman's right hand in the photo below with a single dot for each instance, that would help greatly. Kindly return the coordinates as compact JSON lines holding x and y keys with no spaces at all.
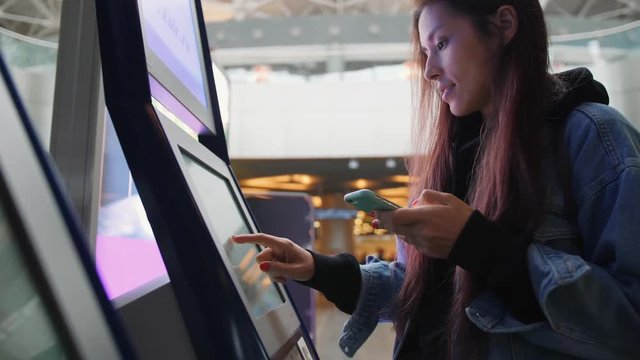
{"x":282,"y":259}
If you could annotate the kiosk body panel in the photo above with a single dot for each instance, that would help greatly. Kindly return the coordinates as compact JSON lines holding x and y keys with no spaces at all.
{"x":230,"y":309}
{"x":52,"y":300}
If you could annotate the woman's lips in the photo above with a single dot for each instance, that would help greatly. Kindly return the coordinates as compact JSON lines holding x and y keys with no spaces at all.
{"x":446,"y":92}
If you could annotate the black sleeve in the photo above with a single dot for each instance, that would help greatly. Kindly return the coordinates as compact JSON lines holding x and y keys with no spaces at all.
{"x":492,"y":253}
{"x":338,"y":278}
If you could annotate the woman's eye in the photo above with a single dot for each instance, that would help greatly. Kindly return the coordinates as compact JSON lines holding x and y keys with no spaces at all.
{"x":441,"y":45}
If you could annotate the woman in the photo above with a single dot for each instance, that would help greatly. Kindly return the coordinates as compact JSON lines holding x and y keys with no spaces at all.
{"x":520,"y":241}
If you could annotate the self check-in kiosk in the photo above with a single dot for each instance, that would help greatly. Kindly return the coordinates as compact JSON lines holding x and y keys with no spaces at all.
{"x":161,"y":97}
{"x":52,"y":305}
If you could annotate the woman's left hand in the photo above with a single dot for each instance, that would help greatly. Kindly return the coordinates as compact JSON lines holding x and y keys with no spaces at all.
{"x":432,"y":225}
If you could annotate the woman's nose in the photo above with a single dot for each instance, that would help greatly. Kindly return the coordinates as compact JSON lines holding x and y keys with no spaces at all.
{"x":431,"y":71}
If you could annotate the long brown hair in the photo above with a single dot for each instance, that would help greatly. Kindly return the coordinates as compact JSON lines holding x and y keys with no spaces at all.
{"x":507,"y":183}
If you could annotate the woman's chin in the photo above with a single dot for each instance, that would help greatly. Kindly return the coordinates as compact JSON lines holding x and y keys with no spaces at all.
{"x":458,"y":111}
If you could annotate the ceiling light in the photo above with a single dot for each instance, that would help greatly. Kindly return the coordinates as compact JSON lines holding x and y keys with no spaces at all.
{"x":302,"y":179}
{"x":374,"y":29}
{"x":257,"y":34}
{"x":316,"y":201}
{"x":361,"y":184}
{"x":400,"y":179}
{"x":394,"y":192}
{"x":295,"y":31}
{"x":291,"y":182}
{"x":390,"y":163}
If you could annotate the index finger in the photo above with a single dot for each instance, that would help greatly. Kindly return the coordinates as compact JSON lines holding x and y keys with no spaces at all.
{"x":410,"y":216}
{"x":262,"y":239}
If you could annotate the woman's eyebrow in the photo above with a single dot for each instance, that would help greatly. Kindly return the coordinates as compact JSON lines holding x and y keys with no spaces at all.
{"x":434,"y":31}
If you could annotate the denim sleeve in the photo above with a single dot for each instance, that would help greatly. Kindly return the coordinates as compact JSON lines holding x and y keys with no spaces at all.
{"x":380,"y":282}
{"x":595,"y":297}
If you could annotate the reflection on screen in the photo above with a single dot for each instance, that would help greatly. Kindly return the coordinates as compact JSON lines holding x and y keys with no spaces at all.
{"x":127,"y":255}
{"x":227,"y":220}
{"x":170,"y":32}
{"x":26,"y":330}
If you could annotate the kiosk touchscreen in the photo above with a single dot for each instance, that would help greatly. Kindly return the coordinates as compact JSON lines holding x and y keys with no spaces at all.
{"x":155,"y":64}
{"x":52,"y":305}
{"x":221,"y":205}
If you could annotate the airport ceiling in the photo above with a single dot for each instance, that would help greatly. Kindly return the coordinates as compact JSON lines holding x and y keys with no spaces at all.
{"x":41,"y":18}
{"x":245,"y":9}
{"x":35,"y":18}
{"x":356,"y":33}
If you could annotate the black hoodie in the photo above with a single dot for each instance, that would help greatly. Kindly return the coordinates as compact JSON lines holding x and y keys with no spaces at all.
{"x":499,"y":258}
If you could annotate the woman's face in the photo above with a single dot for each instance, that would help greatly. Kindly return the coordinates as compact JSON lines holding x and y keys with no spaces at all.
{"x":460,"y":61}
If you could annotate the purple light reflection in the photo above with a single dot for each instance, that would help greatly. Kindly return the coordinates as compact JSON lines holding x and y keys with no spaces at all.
{"x":125,"y":264}
{"x":161,"y":94}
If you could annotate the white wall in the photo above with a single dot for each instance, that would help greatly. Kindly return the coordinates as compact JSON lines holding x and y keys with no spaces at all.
{"x":329,"y":119}
{"x":622,"y":80}
{"x":362,"y":118}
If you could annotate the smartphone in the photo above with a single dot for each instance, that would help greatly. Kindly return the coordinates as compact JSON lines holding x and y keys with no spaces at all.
{"x":367,"y":200}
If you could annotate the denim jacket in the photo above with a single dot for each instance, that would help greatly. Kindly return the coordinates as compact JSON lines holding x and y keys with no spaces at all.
{"x":584,"y":268}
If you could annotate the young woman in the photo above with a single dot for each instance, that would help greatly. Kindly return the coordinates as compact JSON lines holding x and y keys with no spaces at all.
{"x":521,"y":240}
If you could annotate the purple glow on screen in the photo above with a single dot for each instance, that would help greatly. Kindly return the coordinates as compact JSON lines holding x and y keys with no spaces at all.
{"x":127,"y":255}
{"x":125,"y":264}
{"x":169,"y":29}
{"x":170,"y":102}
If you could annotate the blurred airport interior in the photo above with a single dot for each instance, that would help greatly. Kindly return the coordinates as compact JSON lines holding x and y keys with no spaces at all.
{"x":315,"y":99}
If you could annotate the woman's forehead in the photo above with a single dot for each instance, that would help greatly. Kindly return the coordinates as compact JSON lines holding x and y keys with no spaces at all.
{"x":434,"y":17}
{"x":435,"y":13}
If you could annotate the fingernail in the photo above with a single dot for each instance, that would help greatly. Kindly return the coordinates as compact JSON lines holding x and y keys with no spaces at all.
{"x":264,"y":266}
{"x":375,"y":224}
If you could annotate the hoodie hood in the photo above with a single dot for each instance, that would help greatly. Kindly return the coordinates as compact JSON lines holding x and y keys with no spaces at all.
{"x":571,"y":88}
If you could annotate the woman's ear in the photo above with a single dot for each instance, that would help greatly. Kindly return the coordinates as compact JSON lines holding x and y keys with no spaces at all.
{"x":507,"y":21}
